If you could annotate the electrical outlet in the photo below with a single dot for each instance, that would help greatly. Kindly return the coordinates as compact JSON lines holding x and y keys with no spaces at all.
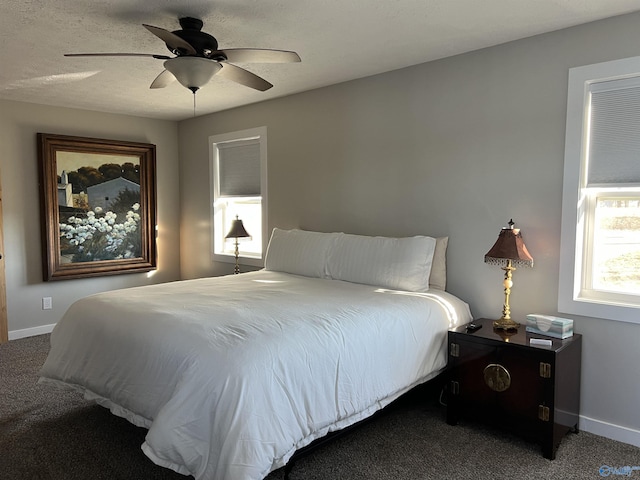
{"x":47,"y":304}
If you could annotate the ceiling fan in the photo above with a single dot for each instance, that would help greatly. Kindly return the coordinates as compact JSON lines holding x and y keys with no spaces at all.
{"x":197,"y":58}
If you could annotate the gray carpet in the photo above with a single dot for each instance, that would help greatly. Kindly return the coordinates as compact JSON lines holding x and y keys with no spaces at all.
{"x":48,"y":434}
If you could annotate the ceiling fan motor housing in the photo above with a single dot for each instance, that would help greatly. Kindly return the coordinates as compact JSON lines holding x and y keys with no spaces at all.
{"x":203,"y":43}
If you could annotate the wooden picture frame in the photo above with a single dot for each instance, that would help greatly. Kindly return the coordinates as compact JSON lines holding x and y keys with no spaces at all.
{"x":98,"y":206}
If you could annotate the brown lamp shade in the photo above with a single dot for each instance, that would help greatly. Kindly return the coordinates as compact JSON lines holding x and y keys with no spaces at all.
{"x":237,"y":230}
{"x":509,"y":246}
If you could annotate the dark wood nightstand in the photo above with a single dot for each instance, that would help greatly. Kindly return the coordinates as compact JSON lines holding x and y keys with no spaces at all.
{"x":501,"y":378}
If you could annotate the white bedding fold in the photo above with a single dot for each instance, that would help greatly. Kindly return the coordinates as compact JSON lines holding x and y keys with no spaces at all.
{"x":232,"y":374}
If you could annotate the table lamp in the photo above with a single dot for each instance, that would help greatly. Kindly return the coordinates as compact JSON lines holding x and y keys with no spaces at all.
{"x":237,"y":231}
{"x":508,"y":252}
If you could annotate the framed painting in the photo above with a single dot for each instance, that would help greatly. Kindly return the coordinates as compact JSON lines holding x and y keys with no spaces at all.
{"x":98,"y":206}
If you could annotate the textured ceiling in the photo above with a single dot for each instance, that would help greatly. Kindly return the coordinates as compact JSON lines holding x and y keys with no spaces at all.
{"x":338,"y":40}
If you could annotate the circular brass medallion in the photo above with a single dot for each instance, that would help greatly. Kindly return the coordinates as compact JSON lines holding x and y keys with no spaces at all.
{"x":497,"y":377}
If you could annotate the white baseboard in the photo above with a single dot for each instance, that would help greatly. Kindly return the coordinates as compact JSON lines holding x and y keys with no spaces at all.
{"x":609,"y":430}
{"x":30,"y":332}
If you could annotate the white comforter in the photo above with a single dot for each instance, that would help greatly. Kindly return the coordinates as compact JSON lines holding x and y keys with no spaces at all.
{"x":231,"y":375}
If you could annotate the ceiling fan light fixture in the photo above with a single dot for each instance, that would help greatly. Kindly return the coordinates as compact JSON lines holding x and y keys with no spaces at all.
{"x":192,"y":72}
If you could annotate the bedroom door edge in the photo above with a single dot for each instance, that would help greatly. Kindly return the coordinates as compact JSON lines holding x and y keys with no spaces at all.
{"x":4,"y":328}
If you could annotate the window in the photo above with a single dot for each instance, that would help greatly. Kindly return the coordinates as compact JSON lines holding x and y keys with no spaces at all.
{"x":239,"y":190}
{"x":600,"y":245}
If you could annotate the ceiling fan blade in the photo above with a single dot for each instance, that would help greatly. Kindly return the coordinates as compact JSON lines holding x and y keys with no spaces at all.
{"x":177,"y":44}
{"x":160,"y":57}
{"x":165,"y":78}
{"x":244,"y":77}
{"x":257,"y":55}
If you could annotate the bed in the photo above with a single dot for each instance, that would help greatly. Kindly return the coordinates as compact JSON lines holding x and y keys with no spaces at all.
{"x":232,"y":375}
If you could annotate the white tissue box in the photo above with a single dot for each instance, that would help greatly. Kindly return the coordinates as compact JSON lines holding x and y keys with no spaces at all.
{"x":549,"y":325}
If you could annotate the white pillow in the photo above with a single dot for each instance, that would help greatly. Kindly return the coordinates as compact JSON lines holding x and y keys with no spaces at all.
{"x":438,"y":276}
{"x":299,"y":252}
{"x":395,"y":263}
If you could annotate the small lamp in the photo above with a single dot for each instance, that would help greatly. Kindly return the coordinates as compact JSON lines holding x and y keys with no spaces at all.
{"x":508,"y":252}
{"x":237,"y":231}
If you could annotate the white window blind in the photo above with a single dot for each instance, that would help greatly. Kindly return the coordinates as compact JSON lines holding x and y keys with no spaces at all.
{"x":239,"y":168}
{"x":614,"y":136}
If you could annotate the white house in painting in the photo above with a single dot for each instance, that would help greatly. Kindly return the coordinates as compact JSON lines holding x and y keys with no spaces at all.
{"x":65,"y":197}
{"x":104,"y":194}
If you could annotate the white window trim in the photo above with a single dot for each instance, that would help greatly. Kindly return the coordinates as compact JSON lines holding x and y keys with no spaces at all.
{"x":258,"y":132}
{"x":574,"y":203}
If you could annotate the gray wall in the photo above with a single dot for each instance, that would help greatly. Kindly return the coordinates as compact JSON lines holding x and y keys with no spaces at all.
{"x":19,"y":123}
{"x":454,"y":147}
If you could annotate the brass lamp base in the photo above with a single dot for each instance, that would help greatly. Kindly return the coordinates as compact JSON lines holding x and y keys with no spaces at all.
{"x":505,"y":324}
{"x":236,"y":270}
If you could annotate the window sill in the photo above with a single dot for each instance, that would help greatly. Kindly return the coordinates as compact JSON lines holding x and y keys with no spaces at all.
{"x":242,"y":260}
{"x":599,"y":309}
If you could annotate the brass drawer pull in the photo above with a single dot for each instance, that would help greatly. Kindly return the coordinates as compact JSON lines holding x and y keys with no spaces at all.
{"x":543,"y":413}
{"x":545,"y":370}
{"x":497,"y":377}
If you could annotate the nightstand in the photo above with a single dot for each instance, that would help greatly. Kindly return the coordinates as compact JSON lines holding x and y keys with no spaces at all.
{"x":500,"y":378}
